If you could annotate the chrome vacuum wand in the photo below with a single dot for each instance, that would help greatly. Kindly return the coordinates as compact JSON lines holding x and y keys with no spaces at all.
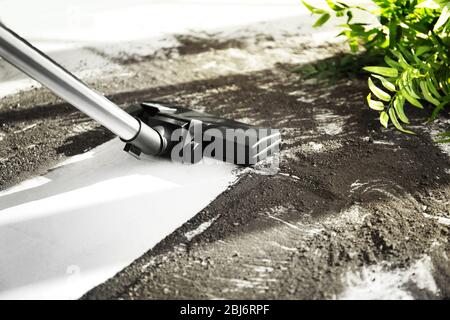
{"x":43,"y":69}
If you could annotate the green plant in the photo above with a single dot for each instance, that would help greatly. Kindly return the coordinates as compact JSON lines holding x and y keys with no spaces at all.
{"x":413,"y":36}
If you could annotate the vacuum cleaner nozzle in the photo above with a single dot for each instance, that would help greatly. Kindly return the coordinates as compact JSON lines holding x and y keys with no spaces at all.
{"x":189,"y":136}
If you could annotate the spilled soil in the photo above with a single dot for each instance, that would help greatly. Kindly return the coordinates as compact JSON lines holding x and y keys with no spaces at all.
{"x":348,"y":195}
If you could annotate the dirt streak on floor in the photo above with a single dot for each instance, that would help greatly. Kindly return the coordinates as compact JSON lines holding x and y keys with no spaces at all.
{"x":348,"y":197}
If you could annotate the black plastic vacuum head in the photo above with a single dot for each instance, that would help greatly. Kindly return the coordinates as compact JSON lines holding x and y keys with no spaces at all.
{"x":189,"y":136}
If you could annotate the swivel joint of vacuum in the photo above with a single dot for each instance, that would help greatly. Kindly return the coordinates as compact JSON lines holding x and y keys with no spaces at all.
{"x":148,"y":140}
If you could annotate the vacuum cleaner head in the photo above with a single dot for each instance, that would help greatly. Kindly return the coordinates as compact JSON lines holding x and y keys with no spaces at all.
{"x":189,"y":136}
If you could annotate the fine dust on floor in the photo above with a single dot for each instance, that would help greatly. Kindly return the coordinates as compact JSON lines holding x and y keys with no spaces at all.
{"x":376,"y":283}
{"x":340,"y":204}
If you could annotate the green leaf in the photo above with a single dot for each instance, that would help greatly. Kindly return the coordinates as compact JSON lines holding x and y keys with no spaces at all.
{"x":384,"y":119}
{"x":411,"y":99}
{"x":354,"y":45}
{"x":323,"y":18}
{"x":334,"y":6}
{"x":342,"y":4}
{"x":406,"y":53}
{"x":390,"y":62}
{"x":380,"y":94}
{"x":423,"y":49}
{"x":432,"y":88}
{"x":394,"y":120}
{"x":407,"y":82}
{"x":445,"y":15}
{"x":429,"y":4}
{"x":439,"y":108}
{"x":426,"y":93}
{"x":313,"y":9}
{"x":373,"y":104}
{"x":388,"y":85}
{"x":384,"y":71}
{"x":398,"y":106}
{"x":401,"y":60}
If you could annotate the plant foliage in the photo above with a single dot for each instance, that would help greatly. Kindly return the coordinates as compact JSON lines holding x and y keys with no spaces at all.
{"x":413,"y":36}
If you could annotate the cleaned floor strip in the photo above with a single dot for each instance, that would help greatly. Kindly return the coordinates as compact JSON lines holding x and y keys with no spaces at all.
{"x":66,"y":232}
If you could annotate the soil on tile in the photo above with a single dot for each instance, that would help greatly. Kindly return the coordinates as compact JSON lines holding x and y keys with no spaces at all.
{"x":348,"y":193}
{"x":357,"y":201}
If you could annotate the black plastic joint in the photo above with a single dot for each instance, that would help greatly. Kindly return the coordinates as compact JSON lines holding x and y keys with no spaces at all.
{"x":147,"y":141}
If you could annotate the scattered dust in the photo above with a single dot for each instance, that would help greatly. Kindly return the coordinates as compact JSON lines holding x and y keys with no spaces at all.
{"x":83,"y":127}
{"x":441,"y":220}
{"x":31,"y":126}
{"x":378,"y":283}
{"x":329,"y":123}
{"x":200,"y":229}
{"x":347,"y":202}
